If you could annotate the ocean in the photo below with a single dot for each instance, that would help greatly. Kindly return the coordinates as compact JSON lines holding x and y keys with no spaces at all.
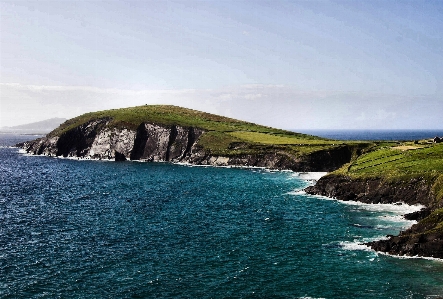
{"x":97,"y":229}
{"x":406,"y":135}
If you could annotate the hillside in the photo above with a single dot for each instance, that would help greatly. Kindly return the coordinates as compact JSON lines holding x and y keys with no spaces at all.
{"x":222,"y":133}
{"x":41,"y":127}
{"x":409,"y":172}
{"x":170,"y":133}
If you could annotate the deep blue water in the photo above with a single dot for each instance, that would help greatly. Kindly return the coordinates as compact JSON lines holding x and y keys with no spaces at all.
{"x":375,"y":134}
{"x":90,"y":229}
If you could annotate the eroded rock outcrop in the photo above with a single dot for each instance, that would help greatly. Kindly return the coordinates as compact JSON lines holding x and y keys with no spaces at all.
{"x":373,"y":190}
{"x":160,"y":143}
{"x":423,"y":239}
{"x":96,"y":140}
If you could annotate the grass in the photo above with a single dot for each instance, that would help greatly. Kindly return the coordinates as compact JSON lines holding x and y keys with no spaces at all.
{"x":396,"y":162}
{"x":132,"y":117}
{"x":227,"y":136}
{"x":269,"y":138}
{"x":222,"y":133}
{"x":393,"y":164}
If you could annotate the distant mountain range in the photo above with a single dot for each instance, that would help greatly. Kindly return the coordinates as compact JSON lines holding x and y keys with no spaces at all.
{"x":40,"y":127}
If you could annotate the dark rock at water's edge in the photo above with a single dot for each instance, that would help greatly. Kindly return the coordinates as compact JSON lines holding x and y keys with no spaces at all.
{"x":422,"y":239}
{"x":152,"y":142}
{"x":418,"y":215}
{"x":420,"y":244}
{"x":345,"y":188}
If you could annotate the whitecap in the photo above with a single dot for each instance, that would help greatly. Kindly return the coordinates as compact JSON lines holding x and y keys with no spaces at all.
{"x":354,"y":245}
{"x":312,"y":176}
{"x":398,"y":208}
{"x":411,"y":257}
{"x":296,"y":192}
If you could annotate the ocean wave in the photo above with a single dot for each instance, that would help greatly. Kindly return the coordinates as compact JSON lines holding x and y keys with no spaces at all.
{"x":296,"y":192}
{"x":354,"y":245}
{"x":399,"y":207}
{"x":309,"y":175}
{"x":406,"y":257}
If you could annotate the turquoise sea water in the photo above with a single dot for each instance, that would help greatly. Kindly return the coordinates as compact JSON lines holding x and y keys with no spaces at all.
{"x":90,"y":229}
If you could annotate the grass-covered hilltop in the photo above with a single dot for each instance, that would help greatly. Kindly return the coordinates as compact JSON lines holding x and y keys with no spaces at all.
{"x":367,"y":171}
{"x":170,"y":133}
{"x":391,"y":172}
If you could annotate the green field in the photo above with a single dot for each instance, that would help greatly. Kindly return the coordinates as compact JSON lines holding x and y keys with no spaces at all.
{"x":224,"y":136}
{"x":393,"y":161}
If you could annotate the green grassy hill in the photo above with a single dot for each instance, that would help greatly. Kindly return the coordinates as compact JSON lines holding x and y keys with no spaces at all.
{"x":224,"y":136}
{"x":401,"y":166}
{"x":394,"y":162}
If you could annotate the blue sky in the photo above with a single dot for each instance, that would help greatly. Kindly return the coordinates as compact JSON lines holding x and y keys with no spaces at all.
{"x":288,"y":64}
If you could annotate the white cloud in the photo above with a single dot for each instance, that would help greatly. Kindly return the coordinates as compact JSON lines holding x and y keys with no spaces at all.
{"x":273,"y":105}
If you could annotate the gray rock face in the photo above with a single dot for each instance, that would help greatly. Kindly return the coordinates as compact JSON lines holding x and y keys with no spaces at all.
{"x":95,"y":140}
{"x":108,"y":144}
{"x":159,"y":143}
{"x":152,"y":142}
{"x":42,"y":146}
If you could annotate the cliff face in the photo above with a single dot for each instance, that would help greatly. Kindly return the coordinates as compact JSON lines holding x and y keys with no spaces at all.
{"x":411,"y":192}
{"x":152,"y":142}
{"x":423,"y":239}
{"x":95,"y":140}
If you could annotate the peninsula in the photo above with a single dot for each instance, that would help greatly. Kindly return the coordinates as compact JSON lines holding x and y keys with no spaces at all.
{"x":371,"y":172}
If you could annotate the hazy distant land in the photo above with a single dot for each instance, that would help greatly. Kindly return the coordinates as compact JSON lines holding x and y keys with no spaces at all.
{"x":40,"y":127}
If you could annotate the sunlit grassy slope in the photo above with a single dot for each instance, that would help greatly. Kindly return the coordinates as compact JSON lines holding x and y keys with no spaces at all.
{"x":393,"y":160}
{"x":400,"y":163}
{"x":224,"y":136}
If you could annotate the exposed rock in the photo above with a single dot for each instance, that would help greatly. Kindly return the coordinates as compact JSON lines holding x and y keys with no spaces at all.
{"x":419,"y":215}
{"x":160,"y":143}
{"x":119,"y":156}
{"x":373,"y":190}
{"x":421,"y":239}
{"x":108,"y":143}
{"x":430,"y":245}
{"x":42,"y":146}
{"x":153,"y":142}
{"x":96,"y":140}
{"x":78,"y":141}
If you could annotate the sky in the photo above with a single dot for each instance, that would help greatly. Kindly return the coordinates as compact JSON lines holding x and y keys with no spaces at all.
{"x":296,"y":65}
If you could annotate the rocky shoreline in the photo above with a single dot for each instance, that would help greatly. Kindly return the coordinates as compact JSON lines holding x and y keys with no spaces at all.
{"x":424,"y":239}
{"x":179,"y":144}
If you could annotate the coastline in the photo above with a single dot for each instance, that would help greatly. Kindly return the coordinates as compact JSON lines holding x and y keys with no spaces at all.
{"x":388,"y":207}
{"x":304,"y":175}
{"x":183,"y":145}
{"x":422,"y":239}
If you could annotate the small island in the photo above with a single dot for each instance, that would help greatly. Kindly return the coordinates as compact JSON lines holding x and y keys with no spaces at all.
{"x":366,"y":171}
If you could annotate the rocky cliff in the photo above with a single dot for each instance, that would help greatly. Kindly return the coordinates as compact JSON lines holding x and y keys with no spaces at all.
{"x":373,"y":190}
{"x":423,"y":239}
{"x":152,"y":142}
{"x":96,"y":140}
